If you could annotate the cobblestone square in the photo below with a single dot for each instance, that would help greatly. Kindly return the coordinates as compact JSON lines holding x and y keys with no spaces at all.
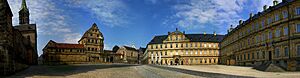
{"x":147,"y":71}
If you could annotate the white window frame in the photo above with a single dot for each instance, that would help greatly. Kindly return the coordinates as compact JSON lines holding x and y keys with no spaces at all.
{"x":297,"y":31}
{"x":287,"y":51}
{"x":297,"y":10}
{"x":285,"y":32}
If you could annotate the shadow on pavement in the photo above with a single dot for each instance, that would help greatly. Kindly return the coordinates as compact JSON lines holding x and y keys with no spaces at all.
{"x":199,"y":73}
{"x":63,"y":70}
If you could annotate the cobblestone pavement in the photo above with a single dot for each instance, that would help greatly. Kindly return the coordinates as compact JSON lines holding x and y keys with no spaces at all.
{"x":99,"y":71}
{"x":237,"y":71}
{"x":147,"y":71}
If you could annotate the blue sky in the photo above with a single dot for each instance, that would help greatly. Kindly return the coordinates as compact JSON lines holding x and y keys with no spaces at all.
{"x":133,"y":22}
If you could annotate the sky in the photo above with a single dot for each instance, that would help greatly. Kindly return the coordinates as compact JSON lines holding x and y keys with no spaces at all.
{"x":132,"y":22}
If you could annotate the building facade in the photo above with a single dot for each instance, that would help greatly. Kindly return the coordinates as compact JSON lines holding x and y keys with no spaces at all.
{"x":271,"y":36}
{"x":63,"y":53}
{"x":89,"y":50}
{"x":16,"y":51}
{"x":125,"y":54}
{"x":183,"y":49}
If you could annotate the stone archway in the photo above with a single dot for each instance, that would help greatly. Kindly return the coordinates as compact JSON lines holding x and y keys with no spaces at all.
{"x":177,"y":61}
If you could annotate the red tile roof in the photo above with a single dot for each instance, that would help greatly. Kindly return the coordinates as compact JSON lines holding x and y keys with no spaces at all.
{"x":67,"y":46}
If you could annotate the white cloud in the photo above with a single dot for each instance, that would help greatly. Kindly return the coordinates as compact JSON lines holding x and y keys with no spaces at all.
{"x":109,"y":12}
{"x":72,"y":37}
{"x":199,"y":13}
{"x":49,"y":17}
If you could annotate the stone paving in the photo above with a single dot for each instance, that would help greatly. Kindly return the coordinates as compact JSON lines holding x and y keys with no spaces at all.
{"x":238,"y":71}
{"x":147,"y":71}
{"x":99,"y":71}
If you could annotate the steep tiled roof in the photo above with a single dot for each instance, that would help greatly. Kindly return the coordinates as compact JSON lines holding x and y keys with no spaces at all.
{"x":130,"y":48}
{"x":191,"y":37}
{"x":88,"y":32}
{"x":65,"y":45}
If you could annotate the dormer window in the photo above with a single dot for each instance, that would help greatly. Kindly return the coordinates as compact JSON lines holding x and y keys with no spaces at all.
{"x":91,"y":34}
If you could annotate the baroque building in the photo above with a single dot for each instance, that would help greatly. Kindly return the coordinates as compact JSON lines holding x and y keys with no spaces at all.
{"x":17,"y":51}
{"x":89,"y":49}
{"x":268,"y":37}
{"x":183,"y":49}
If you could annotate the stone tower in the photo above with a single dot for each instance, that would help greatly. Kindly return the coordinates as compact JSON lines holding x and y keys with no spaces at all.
{"x":27,"y":30}
{"x":24,"y":13}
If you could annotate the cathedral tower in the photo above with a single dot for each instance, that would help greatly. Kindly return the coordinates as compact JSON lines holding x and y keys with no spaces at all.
{"x":24,"y":13}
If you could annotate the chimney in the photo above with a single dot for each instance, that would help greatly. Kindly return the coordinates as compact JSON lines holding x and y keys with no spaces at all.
{"x":275,"y":2}
{"x":265,"y":7}
{"x":168,"y":33}
{"x":241,"y":22}
{"x":283,"y":0}
{"x":251,"y":15}
{"x":204,"y":33}
{"x":215,"y":34}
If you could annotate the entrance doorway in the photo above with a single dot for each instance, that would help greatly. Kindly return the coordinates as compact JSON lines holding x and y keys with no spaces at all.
{"x":176,"y":61}
{"x":270,"y":55}
{"x":181,"y":62}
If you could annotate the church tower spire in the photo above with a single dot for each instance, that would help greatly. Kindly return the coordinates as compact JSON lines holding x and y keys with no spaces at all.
{"x":24,"y":13}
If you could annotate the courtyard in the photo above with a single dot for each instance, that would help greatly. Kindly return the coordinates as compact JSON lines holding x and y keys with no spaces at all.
{"x":146,"y":71}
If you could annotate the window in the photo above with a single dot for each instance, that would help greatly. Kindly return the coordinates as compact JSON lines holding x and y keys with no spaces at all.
{"x":200,"y":52}
{"x":298,"y":28}
{"x":285,"y":14}
{"x":166,"y":46}
{"x":161,"y":46}
{"x":257,"y":25}
{"x":186,"y":44}
{"x":286,"y":51}
{"x":286,"y":31}
{"x":244,"y":56}
{"x":91,"y":34}
{"x":277,"y":17}
{"x":269,"y":20}
{"x":166,"y":53}
{"x":277,"y":51}
{"x":248,"y":56}
{"x":298,"y":11}
{"x":196,"y":52}
{"x":176,"y":45}
{"x":270,"y":35}
{"x":298,"y":50}
{"x":171,"y":46}
{"x":262,"y":23}
{"x":252,"y":56}
{"x":277,"y":33}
